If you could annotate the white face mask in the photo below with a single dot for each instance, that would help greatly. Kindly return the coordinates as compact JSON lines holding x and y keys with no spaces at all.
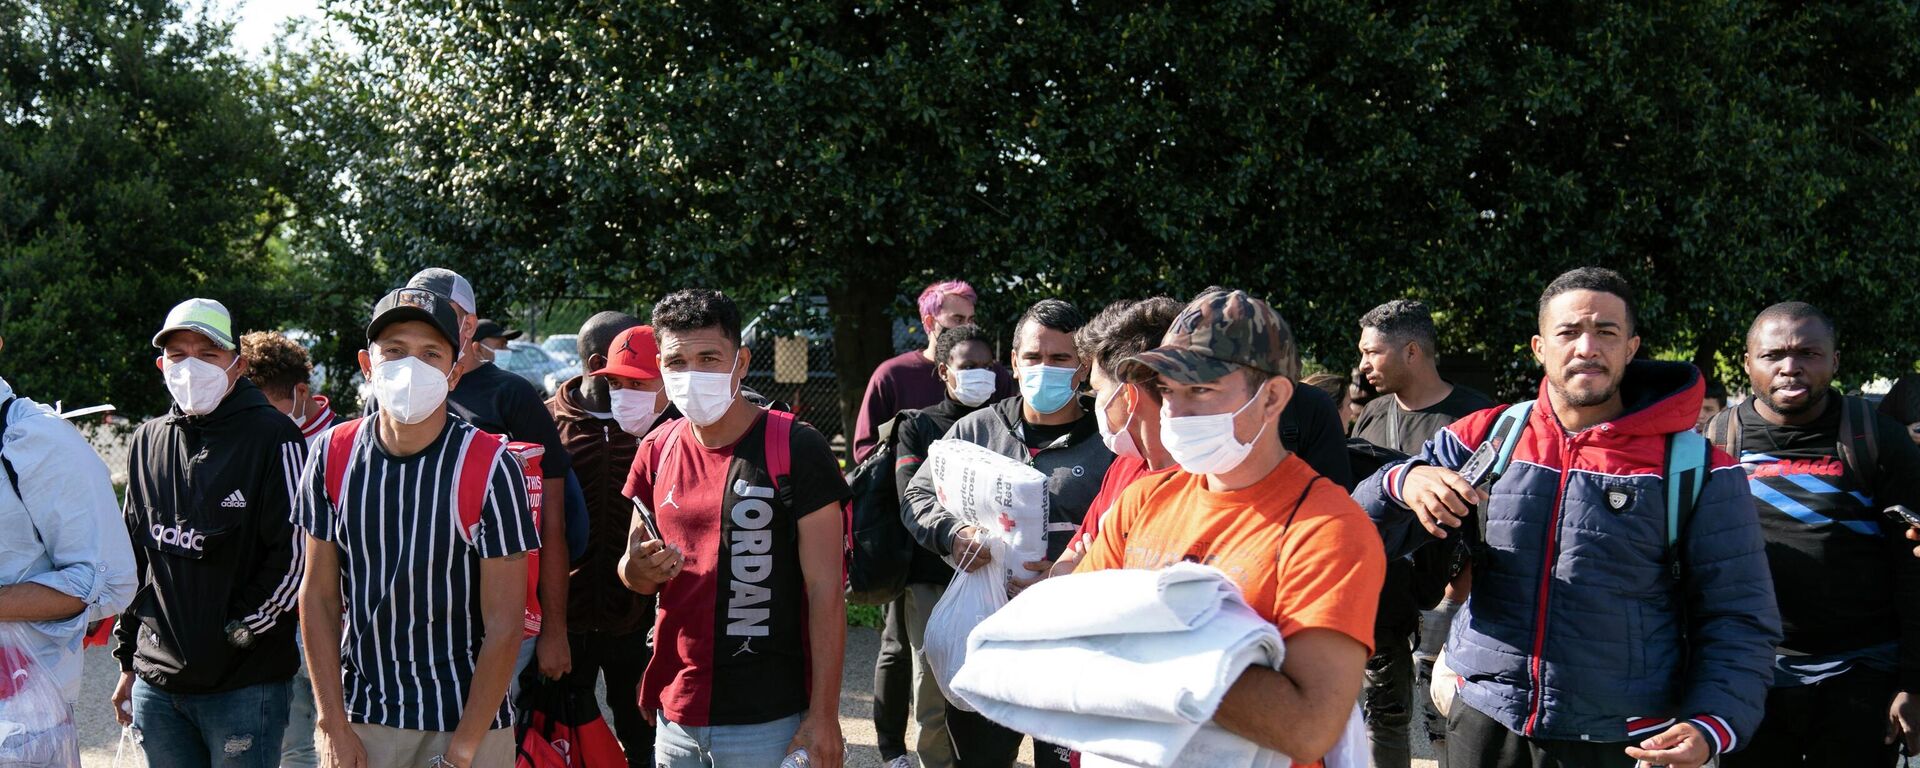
{"x":409,"y":388}
{"x":197,"y":385}
{"x":1205,"y":445}
{"x":703,"y":397}
{"x":635,"y":409}
{"x":973,"y":386}
{"x":1120,"y":441}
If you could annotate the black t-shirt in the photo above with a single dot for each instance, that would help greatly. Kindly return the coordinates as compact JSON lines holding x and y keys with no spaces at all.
{"x":1384,"y":423}
{"x":505,"y":404}
{"x":1841,"y":572}
{"x":1038,"y":436}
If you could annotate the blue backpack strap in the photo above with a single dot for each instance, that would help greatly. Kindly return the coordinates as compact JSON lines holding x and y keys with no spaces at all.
{"x":1686,"y":477}
{"x":1508,"y":429}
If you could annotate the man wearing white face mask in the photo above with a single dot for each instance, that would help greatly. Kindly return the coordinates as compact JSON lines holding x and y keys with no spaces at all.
{"x":417,"y":524}
{"x":1051,"y":427}
{"x":1126,"y":405}
{"x":1303,"y":554}
{"x":601,"y":416}
{"x":742,"y":542}
{"x":206,"y":649}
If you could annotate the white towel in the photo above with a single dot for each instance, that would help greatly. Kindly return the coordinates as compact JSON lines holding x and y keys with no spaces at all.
{"x":1170,"y":677}
{"x":1121,"y":601}
{"x":1214,"y":747}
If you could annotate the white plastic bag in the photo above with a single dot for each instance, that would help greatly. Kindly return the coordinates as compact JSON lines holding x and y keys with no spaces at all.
{"x":36,"y":725}
{"x":1002,"y":496}
{"x":970,"y":598}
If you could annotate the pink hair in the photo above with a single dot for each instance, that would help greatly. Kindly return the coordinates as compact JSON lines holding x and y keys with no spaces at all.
{"x":936,"y":295}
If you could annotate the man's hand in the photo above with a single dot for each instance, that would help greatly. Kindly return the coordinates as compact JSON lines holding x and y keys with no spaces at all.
{"x":1070,"y":559}
{"x":1913,"y":534}
{"x":554,"y":655}
{"x":461,"y":753}
{"x":654,"y":561}
{"x":123,"y":700}
{"x":340,"y":747}
{"x":820,"y":736}
{"x":1041,"y":569}
{"x":1903,"y":723}
{"x":1681,"y":746}
{"x":971,"y":550}
{"x":1913,"y":432}
{"x":1439,"y":497}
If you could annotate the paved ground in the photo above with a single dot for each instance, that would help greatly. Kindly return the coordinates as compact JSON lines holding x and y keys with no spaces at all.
{"x":99,"y":734}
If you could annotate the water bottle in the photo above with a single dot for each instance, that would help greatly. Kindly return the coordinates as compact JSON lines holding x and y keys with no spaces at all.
{"x":798,"y":759}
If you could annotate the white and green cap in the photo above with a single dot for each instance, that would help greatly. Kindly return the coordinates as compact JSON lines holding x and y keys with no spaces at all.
{"x":206,"y":317}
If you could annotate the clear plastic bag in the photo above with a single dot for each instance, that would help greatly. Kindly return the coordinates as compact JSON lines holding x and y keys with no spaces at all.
{"x":36,"y":724}
{"x":970,"y":598}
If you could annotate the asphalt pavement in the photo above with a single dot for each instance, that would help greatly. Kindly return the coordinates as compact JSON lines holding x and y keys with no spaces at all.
{"x":100,"y":735}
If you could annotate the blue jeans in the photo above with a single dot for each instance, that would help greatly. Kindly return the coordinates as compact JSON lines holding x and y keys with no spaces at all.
{"x":761,"y":745}
{"x":236,"y":729}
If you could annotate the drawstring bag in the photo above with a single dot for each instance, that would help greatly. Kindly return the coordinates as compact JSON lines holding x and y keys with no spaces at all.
{"x":564,"y":730}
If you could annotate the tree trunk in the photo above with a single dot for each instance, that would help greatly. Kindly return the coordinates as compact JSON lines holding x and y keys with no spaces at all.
{"x":862,"y":339}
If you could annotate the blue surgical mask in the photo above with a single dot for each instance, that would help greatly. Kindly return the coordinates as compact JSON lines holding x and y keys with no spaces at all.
{"x":1047,"y":388}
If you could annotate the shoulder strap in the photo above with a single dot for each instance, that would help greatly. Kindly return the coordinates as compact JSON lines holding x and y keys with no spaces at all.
{"x":1686,"y":478}
{"x":470,"y":485}
{"x":779,"y":446}
{"x":1859,"y":443}
{"x":339,"y":455}
{"x":1724,"y":430}
{"x":1508,"y":429}
{"x":13,"y":478}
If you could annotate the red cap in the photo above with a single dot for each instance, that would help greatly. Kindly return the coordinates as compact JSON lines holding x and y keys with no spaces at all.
{"x":634,"y":355}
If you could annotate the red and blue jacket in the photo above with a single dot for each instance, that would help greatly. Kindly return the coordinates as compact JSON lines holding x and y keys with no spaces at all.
{"x":1574,"y":627}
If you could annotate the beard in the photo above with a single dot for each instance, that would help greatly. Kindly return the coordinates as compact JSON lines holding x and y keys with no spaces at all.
{"x":1585,"y":398}
{"x":1816,"y":399}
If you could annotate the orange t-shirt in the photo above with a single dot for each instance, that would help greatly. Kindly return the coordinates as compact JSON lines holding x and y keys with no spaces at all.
{"x":1322,"y":571}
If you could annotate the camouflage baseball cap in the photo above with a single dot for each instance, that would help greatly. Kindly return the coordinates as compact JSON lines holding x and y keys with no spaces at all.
{"x":1218,"y":332}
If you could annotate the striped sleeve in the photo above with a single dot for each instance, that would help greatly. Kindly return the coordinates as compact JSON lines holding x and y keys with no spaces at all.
{"x":506,"y":521}
{"x":285,"y":561}
{"x":312,"y":511}
{"x":1718,"y":732}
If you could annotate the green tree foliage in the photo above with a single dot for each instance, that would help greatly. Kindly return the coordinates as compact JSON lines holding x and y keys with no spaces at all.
{"x":1329,"y":155}
{"x":138,"y":167}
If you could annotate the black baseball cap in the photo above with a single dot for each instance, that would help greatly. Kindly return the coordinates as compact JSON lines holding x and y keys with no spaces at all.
{"x":416,"y":304}
{"x":492,"y":329}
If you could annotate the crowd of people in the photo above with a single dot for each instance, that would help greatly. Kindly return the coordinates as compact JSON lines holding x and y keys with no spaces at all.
{"x":1628,"y":569}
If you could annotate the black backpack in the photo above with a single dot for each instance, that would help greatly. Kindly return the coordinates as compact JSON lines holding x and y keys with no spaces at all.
{"x":1432,"y":567}
{"x":881,"y":549}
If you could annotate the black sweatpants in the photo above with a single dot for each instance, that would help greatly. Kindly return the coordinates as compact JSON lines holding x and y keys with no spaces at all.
{"x":892,"y":682}
{"x":1477,"y":741}
{"x":621,"y":658}
{"x":1840,"y":722}
{"x":982,"y":743}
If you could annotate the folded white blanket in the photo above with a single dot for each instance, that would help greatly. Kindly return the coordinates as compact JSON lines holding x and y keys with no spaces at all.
{"x":1123,"y":601}
{"x":1214,"y":747}
{"x":1128,"y":664}
{"x":1169,"y":677}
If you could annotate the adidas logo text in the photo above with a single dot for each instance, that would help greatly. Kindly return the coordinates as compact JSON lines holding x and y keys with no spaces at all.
{"x":185,"y":538}
{"x":234,"y":501}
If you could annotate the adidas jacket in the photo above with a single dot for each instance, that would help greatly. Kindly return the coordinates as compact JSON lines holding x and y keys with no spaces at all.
{"x":209,"y":500}
{"x":1574,"y":628}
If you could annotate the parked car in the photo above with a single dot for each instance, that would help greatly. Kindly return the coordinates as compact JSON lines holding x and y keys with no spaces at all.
{"x":563,"y":346}
{"x":528,"y":361}
{"x":559,"y":378}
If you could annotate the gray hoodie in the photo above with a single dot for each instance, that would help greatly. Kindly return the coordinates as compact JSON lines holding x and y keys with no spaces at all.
{"x":1074,"y":465}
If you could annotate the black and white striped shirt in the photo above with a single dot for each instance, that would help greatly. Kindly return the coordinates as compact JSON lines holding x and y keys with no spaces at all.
{"x":409,"y":579}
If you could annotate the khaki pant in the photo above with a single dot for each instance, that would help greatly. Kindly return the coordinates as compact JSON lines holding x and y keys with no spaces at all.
{"x":396,"y":748}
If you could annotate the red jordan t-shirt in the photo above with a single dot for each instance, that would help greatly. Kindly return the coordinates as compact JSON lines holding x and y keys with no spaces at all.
{"x":731,"y":642}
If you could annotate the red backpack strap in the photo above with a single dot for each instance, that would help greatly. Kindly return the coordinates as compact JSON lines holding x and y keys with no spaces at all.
{"x":339,"y":455}
{"x":779,"y":446}
{"x":475,"y":474}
